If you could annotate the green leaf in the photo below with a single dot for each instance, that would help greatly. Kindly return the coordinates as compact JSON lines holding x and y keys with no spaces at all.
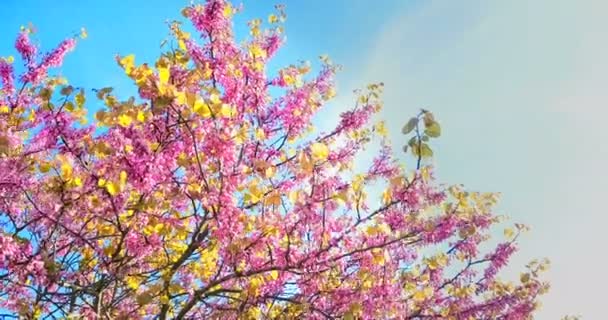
{"x":413,"y":142}
{"x":433,"y":130}
{"x":410,"y":125}
{"x":162,"y":102}
{"x":51,"y":266}
{"x":415,"y":151}
{"x":69,"y":106}
{"x":144,"y":298}
{"x":101,"y":93}
{"x":45,"y":93}
{"x":4,"y":145}
{"x":66,"y":91}
{"x":425,"y":151}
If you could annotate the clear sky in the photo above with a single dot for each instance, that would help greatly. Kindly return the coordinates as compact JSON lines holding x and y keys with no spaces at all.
{"x":518,"y":85}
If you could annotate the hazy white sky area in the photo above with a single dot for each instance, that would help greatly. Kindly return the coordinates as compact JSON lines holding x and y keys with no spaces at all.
{"x":520,"y":89}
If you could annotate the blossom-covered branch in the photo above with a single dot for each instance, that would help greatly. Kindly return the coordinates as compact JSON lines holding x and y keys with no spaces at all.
{"x":210,"y":196}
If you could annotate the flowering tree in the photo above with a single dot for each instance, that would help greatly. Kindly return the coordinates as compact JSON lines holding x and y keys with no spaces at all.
{"x":208,"y":196}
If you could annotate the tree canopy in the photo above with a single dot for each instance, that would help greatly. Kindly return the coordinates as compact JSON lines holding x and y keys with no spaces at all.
{"x":209,"y":195}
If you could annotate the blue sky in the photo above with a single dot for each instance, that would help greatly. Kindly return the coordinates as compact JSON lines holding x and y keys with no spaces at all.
{"x":138,"y":26}
{"x":518,"y":86}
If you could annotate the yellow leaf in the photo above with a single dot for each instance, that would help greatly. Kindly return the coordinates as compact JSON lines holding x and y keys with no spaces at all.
{"x":132,"y":282}
{"x":437,"y":262}
{"x":274,"y":199}
{"x":37,"y":312}
{"x":214,"y":99}
{"x":182,"y":44}
{"x":128,"y":63}
{"x":100,"y":115}
{"x":319,"y":151}
{"x":45,"y":167}
{"x":274,"y":274}
{"x":124,"y":120}
{"x":260,"y":134}
{"x":330,"y":93}
{"x":426,"y":175}
{"x":182,"y":160}
{"x":201,"y":108}
{"x":163,"y":75}
{"x":387,"y":197}
{"x":288,"y":79}
{"x":226,"y":111}
{"x":254,"y":313}
{"x":305,"y":162}
{"x":110,"y":101}
{"x":141,"y":116}
{"x":397,"y":182}
{"x":154,"y":228}
{"x":80,"y":99}
{"x":293,"y":196}
{"x":141,"y":75}
{"x":270,"y":172}
{"x":381,"y":129}
{"x":123,"y":177}
{"x":66,"y":171}
{"x":181,"y":98}
{"x":228,"y":11}
{"x":69,"y":106}
{"x":255,"y":194}
{"x":257,"y":52}
{"x":273,"y":18}
{"x":4,"y":109}
{"x":419,"y":296}
{"x":164,"y":299}
{"x":378,"y":257}
{"x":354,"y":311}
{"x":342,"y":197}
{"x":254,"y":286}
{"x":112,"y":188}
{"x":258,"y":66}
